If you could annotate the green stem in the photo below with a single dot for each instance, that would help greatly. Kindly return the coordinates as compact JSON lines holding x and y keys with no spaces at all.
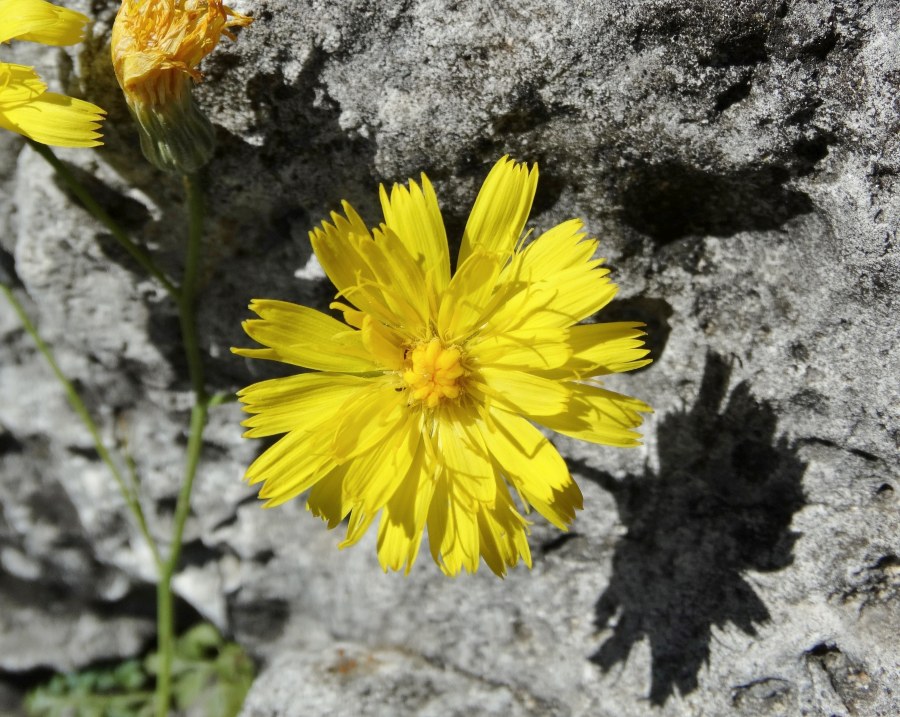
{"x":165,"y":624}
{"x":78,"y":189}
{"x":202,"y":401}
{"x":165,"y":612}
{"x":220,"y":398}
{"x":188,"y":295}
{"x":130,"y":495}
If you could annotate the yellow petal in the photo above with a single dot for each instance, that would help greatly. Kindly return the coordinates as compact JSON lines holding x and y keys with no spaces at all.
{"x":534,"y":467}
{"x":466,"y":459}
{"x":305,"y":337}
{"x":45,"y":117}
{"x":328,"y":244}
{"x":306,"y":455}
{"x":357,"y":526}
{"x":560,"y":511}
{"x":438,"y":519}
{"x":385,"y":346}
{"x":299,"y":402}
{"x":576,"y":352}
{"x":528,"y":460}
{"x":522,"y":392}
{"x":292,"y":465}
{"x":599,"y":416}
{"x":283,"y":456}
{"x":453,"y":534}
{"x":415,"y":218}
{"x":403,"y":518}
{"x":325,"y":499}
{"x":367,"y":419}
{"x":376,"y":273}
{"x":464,"y":301}
{"x":375,"y":475}
{"x":502,"y":534}
{"x":556,"y":250}
{"x":19,"y":84}
{"x":400,"y":279}
{"x":529,"y":349}
{"x":40,"y":21}
{"x":373,"y":478}
{"x":554,"y":281}
{"x":599,"y":349}
{"x":500,"y":210}
{"x":352,"y":316}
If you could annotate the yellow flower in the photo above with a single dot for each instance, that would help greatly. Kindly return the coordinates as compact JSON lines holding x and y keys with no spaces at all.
{"x":423,"y":403}
{"x":25,"y":105}
{"x":156,"y":47}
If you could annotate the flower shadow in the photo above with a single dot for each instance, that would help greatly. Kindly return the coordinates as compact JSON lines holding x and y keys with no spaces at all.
{"x":721,"y":504}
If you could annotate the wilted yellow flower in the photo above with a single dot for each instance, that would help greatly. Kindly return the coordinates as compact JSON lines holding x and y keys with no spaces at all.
{"x":25,"y":105}
{"x":422,"y":405}
{"x":156,"y":48}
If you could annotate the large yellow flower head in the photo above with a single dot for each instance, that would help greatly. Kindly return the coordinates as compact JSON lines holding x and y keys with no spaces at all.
{"x":157,"y":46}
{"x":25,"y":105}
{"x":422,"y":406}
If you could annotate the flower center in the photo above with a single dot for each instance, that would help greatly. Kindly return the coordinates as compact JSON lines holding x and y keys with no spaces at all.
{"x":432,"y":372}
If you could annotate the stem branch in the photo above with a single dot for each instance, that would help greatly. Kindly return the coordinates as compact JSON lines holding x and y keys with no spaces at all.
{"x":127,"y":491}
{"x":77,"y":188}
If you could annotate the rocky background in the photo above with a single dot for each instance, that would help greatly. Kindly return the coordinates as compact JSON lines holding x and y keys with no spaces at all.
{"x":739,"y":161}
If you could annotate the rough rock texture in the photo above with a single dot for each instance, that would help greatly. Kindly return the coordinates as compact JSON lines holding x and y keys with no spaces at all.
{"x":739,"y":162}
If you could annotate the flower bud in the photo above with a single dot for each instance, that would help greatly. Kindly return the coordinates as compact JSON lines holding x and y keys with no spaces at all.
{"x":156,"y":48}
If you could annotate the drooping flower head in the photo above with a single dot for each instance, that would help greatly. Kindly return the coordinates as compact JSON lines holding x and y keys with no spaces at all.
{"x":157,"y":46}
{"x":25,"y":105}
{"x":422,"y":404}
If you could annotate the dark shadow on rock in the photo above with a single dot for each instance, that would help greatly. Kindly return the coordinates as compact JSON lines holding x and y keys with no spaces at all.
{"x":8,"y":274}
{"x":128,"y":213}
{"x":293,"y":192}
{"x":653,"y":312}
{"x":671,"y":200}
{"x":263,"y":618}
{"x":721,"y":505}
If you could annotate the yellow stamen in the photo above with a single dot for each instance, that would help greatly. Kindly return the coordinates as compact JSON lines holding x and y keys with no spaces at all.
{"x":433,"y":372}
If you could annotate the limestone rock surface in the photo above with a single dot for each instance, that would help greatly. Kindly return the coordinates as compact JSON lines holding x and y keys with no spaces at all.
{"x":739,"y":162}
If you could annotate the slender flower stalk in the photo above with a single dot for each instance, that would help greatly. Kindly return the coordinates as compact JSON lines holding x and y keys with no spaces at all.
{"x":138,"y":253}
{"x":75,"y":401}
{"x":202,"y":403}
{"x":157,"y":46}
{"x":26,"y":107}
{"x":423,"y":403}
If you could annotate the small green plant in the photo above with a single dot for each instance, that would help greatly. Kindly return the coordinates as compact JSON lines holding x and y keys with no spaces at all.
{"x":209,"y":676}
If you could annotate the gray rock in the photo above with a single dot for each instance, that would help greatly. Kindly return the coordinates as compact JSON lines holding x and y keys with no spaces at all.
{"x":739,"y":163}
{"x":379,"y":682}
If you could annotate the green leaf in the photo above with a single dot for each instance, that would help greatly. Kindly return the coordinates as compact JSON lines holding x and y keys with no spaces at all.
{"x":207,"y":671}
{"x":130,"y":676}
{"x":110,"y":692}
{"x":189,"y":686}
{"x":198,"y":642}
